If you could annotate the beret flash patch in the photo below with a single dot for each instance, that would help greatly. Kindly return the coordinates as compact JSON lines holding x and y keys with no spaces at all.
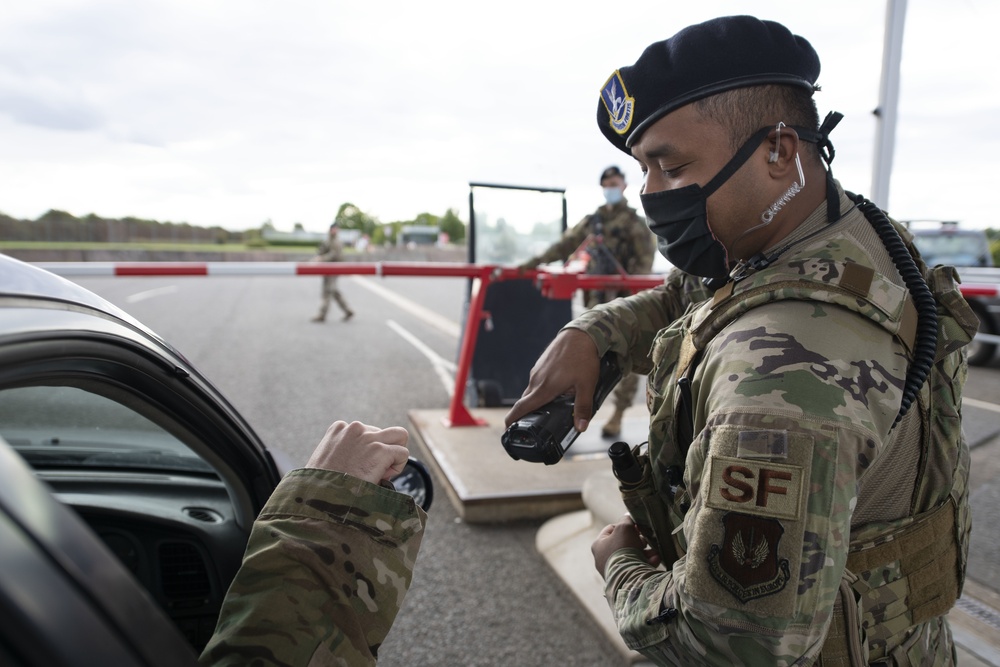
{"x":618,"y":103}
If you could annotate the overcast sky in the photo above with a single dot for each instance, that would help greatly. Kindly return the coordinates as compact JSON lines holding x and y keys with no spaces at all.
{"x":232,"y":112}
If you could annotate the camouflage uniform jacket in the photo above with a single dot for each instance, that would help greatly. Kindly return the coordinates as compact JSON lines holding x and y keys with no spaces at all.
{"x":791,"y":464}
{"x":330,"y":250}
{"x":328,"y":562}
{"x":624,"y":233}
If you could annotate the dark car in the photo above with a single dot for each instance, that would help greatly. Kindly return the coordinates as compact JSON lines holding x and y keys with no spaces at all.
{"x":119,"y":465}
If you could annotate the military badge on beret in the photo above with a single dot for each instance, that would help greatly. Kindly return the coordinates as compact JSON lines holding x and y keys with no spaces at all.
{"x":618,"y":103}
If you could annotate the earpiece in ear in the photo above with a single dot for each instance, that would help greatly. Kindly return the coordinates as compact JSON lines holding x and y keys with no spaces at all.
{"x":772,"y":156}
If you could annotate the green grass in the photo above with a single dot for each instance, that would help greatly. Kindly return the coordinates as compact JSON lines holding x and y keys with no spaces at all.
{"x":183,"y":247}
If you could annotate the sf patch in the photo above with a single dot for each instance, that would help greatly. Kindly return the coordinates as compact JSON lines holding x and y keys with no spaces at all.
{"x":762,"y":488}
{"x":618,"y":103}
{"x":746,"y":563}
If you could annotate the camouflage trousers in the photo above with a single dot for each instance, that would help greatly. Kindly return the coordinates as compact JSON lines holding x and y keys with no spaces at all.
{"x":331,"y":292}
{"x":626,"y":389}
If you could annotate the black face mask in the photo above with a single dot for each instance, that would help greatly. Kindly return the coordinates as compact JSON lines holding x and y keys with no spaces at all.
{"x":679,"y":218}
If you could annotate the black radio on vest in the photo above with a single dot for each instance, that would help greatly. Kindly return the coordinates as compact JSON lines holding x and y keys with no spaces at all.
{"x":624,"y":463}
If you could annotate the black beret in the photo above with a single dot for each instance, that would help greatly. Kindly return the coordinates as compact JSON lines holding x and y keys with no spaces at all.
{"x":613,"y":170}
{"x":700,"y":61}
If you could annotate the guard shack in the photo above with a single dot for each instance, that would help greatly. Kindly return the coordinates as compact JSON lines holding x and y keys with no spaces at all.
{"x":508,"y":225}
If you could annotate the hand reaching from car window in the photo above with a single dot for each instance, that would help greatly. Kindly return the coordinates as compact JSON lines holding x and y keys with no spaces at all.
{"x":366,"y":452}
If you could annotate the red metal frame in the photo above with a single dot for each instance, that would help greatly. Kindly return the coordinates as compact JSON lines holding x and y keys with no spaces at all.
{"x":458,"y":414}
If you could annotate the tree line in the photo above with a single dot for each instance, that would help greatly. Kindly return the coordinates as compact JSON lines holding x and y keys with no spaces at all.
{"x":350,"y":216}
{"x":54,"y":225}
{"x":60,"y":226}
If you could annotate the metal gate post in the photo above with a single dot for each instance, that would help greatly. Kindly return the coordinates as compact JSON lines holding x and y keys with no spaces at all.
{"x":458,"y":415}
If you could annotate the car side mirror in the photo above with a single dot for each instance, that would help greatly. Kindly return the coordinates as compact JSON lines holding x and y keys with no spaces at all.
{"x":415,"y":481}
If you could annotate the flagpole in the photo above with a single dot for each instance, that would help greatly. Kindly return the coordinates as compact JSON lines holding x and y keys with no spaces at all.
{"x":885,"y":113}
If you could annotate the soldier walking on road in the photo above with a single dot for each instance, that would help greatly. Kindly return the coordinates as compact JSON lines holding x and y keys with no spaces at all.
{"x":617,"y":240}
{"x":331,"y":250}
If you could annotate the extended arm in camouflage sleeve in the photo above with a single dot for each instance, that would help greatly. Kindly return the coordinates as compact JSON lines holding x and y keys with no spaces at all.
{"x":628,"y":326}
{"x":564,"y":247}
{"x":330,"y":251}
{"x":328,"y":563}
{"x":645,"y":248}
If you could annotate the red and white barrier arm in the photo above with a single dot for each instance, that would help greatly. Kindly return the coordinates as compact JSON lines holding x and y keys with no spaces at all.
{"x":552,"y":285}
{"x":259,"y":269}
{"x":979,"y":289}
{"x":138,"y":269}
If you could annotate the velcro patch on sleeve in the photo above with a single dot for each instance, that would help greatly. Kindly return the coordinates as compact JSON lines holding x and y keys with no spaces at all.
{"x":762,"y":444}
{"x":761,"y":488}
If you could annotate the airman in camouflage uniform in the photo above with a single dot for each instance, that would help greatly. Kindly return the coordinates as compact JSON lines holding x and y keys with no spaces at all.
{"x":328,"y":563}
{"x":617,"y":240}
{"x":804,"y":496}
{"x":792,"y":471}
{"x":331,"y":250}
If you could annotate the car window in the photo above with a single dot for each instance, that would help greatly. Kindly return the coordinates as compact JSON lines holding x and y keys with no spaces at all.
{"x":69,"y":427}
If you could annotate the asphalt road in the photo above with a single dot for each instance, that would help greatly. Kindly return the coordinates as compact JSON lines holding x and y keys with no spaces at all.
{"x":481,"y":594}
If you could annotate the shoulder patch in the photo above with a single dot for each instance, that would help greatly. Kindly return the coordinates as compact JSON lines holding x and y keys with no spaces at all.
{"x":747,"y":563}
{"x":762,"y":488}
{"x":762,"y":444}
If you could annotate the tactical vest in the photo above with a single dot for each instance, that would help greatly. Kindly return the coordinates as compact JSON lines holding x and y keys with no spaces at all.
{"x":901,"y":572}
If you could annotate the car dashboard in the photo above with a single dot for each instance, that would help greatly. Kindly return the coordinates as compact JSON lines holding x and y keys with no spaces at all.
{"x":176,"y":534}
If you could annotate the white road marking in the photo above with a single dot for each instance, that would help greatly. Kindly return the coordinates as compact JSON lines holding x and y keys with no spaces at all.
{"x":442,"y":367}
{"x":150,"y":293}
{"x":993,"y":407}
{"x":439,"y":322}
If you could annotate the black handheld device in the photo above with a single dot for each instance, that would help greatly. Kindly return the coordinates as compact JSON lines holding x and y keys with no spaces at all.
{"x":543,"y":436}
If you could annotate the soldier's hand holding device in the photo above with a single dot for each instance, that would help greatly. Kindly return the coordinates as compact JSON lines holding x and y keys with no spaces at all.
{"x":544,"y":435}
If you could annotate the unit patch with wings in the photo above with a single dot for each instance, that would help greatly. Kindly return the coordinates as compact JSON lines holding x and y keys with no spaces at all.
{"x":747,"y":563}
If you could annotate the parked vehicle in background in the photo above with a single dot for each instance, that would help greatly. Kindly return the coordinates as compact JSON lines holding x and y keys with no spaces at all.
{"x":943,"y":242}
{"x":968,"y":250}
{"x":987,"y":309}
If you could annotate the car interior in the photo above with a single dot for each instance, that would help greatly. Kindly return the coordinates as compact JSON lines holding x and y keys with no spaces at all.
{"x":64,"y":597}
{"x":144,"y":461}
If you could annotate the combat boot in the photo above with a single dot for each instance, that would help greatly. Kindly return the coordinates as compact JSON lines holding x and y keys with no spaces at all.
{"x":613,"y":427}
